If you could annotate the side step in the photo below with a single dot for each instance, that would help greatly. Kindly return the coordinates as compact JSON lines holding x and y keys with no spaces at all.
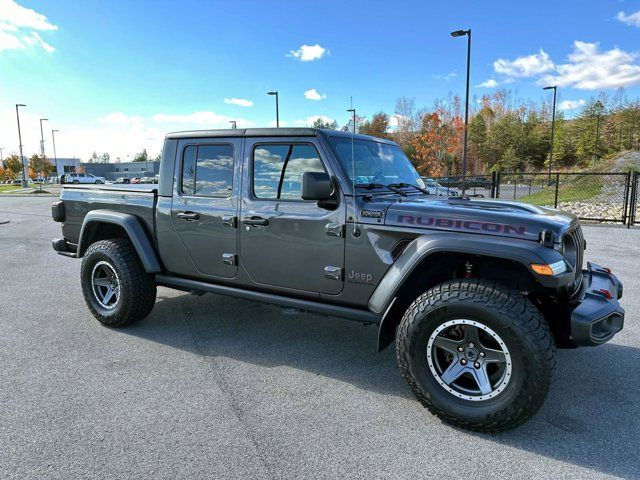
{"x":306,"y":305}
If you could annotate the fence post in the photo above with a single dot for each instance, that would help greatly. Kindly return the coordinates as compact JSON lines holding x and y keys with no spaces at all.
{"x":633,"y":201}
{"x":555,"y":201}
{"x":493,"y":184}
{"x":627,"y":185}
{"x":498,"y":175}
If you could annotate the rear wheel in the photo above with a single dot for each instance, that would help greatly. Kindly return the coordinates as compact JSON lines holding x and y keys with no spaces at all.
{"x":476,"y":355}
{"x":116,"y":287}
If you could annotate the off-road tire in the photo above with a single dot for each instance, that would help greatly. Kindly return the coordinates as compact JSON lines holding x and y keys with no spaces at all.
{"x":137,"y":287}
{"x":508,"y":313}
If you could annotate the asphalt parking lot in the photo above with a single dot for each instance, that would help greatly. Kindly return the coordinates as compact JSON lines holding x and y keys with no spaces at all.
{"x":215,"y":387}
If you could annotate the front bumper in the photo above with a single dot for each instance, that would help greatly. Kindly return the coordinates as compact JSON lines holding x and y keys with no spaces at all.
{"x":596,"y":315}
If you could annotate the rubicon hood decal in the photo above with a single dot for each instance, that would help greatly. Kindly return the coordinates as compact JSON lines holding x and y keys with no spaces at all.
{"x":470,"y":225}
{"x":487,"y":217}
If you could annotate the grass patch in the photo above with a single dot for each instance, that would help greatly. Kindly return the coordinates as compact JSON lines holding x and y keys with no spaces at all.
{"x":569,"y":191}
{"x":9,"y":188}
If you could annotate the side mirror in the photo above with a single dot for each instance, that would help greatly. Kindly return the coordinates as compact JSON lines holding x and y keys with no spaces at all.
{"x":316,"y":186}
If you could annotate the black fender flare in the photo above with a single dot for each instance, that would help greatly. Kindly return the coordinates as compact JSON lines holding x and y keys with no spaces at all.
{"x":524,"y":252}
{"x":135,"y":230}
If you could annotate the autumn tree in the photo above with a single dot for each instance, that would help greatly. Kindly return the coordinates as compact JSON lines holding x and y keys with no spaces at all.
{"x":378,"y":126}
{"x":436,"y":144}
{"x":13,"y":166}
{"x":39,"y":166}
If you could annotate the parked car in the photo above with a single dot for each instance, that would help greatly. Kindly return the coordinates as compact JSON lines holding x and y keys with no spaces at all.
{"x":16,"y":181}
{"x":83,"y":178}
{"x":476,"y":293}
{"x":147,"y":180}
{"x":135,"y":180}
{"x":122,"y":180}
{"x":435,"y":188}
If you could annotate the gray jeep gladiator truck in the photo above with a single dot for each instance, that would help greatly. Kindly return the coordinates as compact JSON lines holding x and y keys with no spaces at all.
{"x":476,"y":293}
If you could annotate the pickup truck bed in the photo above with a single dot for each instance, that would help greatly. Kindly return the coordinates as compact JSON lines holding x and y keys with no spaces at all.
{"x":138,"y":200}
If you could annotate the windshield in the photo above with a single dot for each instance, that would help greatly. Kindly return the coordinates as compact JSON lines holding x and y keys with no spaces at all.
{"x":375,"y":162}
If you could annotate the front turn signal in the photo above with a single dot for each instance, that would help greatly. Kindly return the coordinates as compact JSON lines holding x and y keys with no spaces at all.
{"x":549,"y":270}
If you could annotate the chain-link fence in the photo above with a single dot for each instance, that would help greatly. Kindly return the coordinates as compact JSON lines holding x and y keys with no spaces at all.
{"x":599,"y":197}
{"x":610,"y":197}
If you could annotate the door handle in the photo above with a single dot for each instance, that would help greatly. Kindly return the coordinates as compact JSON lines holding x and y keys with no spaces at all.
{"x":188,"y":216}
{"x":256,"y":221}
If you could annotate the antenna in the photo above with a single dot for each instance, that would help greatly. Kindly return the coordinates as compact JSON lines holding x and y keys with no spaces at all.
{"x":353,"y":164}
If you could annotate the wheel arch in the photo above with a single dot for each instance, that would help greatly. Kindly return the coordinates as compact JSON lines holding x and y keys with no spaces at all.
{"x":433,"y":259}
{"x":106,"y":224}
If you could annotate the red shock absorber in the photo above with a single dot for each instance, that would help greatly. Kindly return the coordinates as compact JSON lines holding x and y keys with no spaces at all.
{"x":468,"y":270}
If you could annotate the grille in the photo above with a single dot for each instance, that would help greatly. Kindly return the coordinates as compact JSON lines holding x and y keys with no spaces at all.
{"x":574,"y":248}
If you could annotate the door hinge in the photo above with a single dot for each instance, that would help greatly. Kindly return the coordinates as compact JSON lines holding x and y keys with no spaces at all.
{"x":229,"y":259}
{"x":333,"y":273}
{"x":334,"y":229}
{"x":230,"y":221}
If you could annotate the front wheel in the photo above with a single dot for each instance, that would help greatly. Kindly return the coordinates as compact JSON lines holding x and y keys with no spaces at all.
{"x":115,"y":285}
{"x":478,"y":356}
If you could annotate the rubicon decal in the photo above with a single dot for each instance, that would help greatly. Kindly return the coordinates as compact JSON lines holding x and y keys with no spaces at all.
{"x":469,"y":225}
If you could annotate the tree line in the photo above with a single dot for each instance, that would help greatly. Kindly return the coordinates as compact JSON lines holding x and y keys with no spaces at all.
{"x":505,"y":133}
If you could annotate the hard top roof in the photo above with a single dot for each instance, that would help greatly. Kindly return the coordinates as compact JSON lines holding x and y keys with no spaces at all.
{"x":272,"y":132}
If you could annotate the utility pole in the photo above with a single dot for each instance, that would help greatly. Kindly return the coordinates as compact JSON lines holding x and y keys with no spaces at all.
{"x":275,"y":92}
{"x":24,"y":175}
{"x":1,"y":157}
{"x":460,"y":33}
{"x":234,"y":124}
{"x":55,"y":156}
{"x":553,"y":124}
{"x":42,"y":136}
{"x":353,"y":110}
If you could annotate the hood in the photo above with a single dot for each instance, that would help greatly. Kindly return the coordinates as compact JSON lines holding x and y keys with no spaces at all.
{"x":484,"y":216}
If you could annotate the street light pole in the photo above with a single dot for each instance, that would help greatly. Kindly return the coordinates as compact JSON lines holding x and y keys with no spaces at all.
{"x":553,"y":124}
{"x":353,"y":110}
{"x":55,"y":156}
{"x":42,"y":136}
{"x":460,"y":33}
{"x":24,"y":176}
{"x":599,"y":106}
{"x":275,"y":92}
{"x":1,"y":157}
{"x":234,"y":124}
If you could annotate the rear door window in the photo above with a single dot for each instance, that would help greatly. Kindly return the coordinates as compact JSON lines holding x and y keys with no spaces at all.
{"x":207,"y":170}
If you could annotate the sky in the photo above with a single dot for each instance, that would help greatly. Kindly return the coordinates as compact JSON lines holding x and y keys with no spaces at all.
{"x":117,"y":76}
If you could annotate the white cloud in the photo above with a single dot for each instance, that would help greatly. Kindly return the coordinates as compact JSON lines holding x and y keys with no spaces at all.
{"x":36,"y":39}
{"x":203,"y":118}
{"x":527,"y":66}
{"x":632,"y":19}
{"x":17,"y":25}
{"x":314,"y":95}
{"x":571,"y":104}
{"x":590,"y":69}
{"x":9,"y":41}
{"x":241,"y":102}
{"x":307,"y":53}
{"x":14,"y":14}
{"x":491,"y":83}
{"x":448,"y":77}
{"x":310,"y":120}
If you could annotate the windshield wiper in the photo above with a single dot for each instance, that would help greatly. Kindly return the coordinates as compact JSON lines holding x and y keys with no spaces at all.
{"x":404,"y":185}
{"x":371,"y":186}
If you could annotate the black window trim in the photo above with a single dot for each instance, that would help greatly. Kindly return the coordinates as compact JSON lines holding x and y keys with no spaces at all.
{"x":207,"y":144}
{"x":281,"y":143}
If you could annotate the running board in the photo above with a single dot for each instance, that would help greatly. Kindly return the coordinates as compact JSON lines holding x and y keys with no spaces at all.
{"x":307,"y":305}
